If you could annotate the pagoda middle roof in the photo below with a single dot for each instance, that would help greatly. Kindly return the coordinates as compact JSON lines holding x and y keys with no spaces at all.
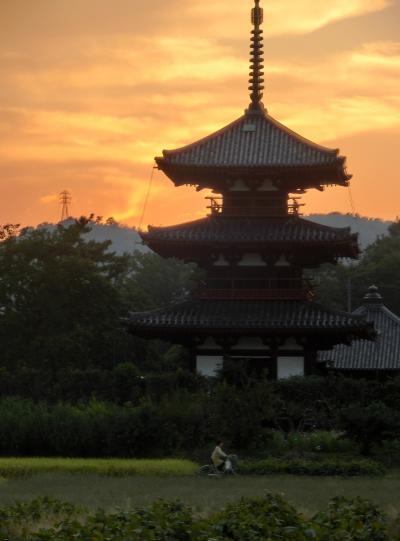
{"x":255,"y":140}
{"x":287,"y":229}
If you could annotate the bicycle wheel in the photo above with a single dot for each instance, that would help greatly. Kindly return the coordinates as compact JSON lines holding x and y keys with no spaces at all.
{"x":207,"y":469}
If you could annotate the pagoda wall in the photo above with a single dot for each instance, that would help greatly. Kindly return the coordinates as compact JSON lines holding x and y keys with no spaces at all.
{"x":283,"y":361}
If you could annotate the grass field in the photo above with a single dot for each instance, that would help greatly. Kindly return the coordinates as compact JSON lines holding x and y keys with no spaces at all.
{"x":24,"y":467}
{"x":308,"y":494}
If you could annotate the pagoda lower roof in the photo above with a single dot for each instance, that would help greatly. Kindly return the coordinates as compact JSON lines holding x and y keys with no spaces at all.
{"x":221,"y":229}
{"x":201,"y":316}
{"x":255,"y":141}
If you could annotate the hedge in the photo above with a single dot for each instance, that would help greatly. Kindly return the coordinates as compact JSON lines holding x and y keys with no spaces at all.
{"x":332,"y":466}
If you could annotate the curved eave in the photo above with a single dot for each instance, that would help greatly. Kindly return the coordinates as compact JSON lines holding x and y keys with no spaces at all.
{"x":196,"y":250}
{"x":256,"y":144}
{"x":195,"y":238}
{"x":293,"y":176}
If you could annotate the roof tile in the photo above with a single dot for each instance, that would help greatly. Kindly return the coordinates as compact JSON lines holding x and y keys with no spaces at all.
{"x":270,"y":145}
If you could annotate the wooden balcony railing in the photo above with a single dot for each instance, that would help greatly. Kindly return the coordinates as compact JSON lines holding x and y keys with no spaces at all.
{"x":253,"y":207}
{"x":256,"y":288}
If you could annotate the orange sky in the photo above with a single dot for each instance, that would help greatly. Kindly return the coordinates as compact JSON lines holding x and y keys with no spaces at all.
{"x":91,"y":90}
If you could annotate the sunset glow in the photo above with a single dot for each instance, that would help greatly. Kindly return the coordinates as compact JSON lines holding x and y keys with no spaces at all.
{"x":91,"y":91}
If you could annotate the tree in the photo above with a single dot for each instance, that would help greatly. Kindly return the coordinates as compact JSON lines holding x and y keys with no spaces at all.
{"x":59,"y":302}
{"x":369,"y":424}
{"x":378,"y":266}
{"x":62,"y":303}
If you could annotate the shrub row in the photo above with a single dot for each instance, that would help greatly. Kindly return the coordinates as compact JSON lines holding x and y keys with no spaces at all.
{"x":255,"y":519}
{"x":334,"y":466}
{"x":185,"y":424}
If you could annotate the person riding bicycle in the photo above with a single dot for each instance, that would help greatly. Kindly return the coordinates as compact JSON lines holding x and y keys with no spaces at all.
{"x":218,"y":456}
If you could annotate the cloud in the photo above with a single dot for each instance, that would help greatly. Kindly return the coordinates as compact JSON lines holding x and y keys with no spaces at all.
{"x":90,"y":96}
{"x":46,"y":199}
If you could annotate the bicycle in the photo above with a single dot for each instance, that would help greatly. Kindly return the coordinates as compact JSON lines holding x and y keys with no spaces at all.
{"x":228,"y":468}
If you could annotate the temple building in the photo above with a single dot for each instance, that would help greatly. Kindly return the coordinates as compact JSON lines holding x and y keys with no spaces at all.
{"x":254,"y":246}
{"x":363,"y":357}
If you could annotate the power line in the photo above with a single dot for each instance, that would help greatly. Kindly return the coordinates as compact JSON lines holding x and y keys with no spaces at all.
{"x":146,"y":200}
{"x":351,"y":200}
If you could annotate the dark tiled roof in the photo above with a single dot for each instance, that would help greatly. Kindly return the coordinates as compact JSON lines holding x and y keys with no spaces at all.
{"x":257,"y":315}
{"x":257,"y":230}
{"x":254,"y":140}
{"x":383,"y":354}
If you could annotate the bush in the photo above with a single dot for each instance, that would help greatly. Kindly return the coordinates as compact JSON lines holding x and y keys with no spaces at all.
{"x":320,"y":442}
{"x":258,"y":518}
{"x":255,"y":519}
{"x":369,"y":424}
{"x":101,"y":429}
{"x":357,"y":519}
{"x":188,"y":416}
{"x":321,"y":467}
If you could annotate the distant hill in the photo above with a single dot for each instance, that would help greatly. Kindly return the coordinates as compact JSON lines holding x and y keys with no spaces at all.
{"x":369,"y":229}
{"x":127,"y":239}
{"x":123,"y":238}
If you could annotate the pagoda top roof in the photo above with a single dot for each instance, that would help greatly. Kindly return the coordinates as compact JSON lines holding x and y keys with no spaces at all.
{"x":253,"y":316}
{"x":255,"y":143}
{"x":255,"y":140}
{"x":223,"y":229}
{"x":384,"y":353}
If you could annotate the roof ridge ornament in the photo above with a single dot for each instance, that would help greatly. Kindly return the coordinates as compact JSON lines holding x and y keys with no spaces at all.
{"x":256,"y":60}
{"x":373,"y":296}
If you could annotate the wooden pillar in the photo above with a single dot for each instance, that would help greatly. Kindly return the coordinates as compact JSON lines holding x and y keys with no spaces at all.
{"x":310,"y":361}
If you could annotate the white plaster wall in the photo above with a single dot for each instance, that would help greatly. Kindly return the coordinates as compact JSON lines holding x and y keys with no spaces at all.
{"x":290,"y":366}
{"x":208,"y":365}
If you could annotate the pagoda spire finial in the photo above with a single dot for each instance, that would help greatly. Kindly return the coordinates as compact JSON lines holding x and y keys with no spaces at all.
{"x":256,"y":59}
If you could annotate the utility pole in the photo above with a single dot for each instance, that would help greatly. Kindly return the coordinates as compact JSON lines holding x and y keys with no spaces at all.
{"x":65,"y":201}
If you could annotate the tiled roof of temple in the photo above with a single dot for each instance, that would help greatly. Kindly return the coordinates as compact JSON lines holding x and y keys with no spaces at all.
{"x":382,"y":354}
{"x":254,"y":229}
{"x":254,"y":140}
{"x":247,"y":316}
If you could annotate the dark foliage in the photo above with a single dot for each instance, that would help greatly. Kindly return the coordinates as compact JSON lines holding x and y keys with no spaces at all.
{"x":62,"y":304}
{"x":369,"y":424}
{"x":250,"y":519}
{"x":344,"y":284}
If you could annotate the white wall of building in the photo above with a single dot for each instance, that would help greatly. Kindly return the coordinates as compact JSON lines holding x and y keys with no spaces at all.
{"x":208,"y":365}
{"x":290,"y":366}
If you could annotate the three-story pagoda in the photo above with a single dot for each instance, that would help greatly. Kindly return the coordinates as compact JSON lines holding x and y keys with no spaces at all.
{"x":254,"y":303}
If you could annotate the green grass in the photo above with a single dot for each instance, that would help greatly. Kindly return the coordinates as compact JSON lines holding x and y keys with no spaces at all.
{"x":308,"y":494}
{"x":25,"y":467}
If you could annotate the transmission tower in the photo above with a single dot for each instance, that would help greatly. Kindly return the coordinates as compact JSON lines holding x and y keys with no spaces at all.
{"x":65,"y":201}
